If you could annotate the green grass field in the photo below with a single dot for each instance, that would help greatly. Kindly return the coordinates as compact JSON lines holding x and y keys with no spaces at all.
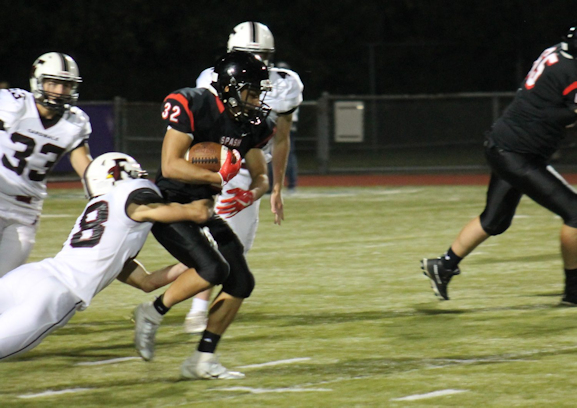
{"x":341,"y":316}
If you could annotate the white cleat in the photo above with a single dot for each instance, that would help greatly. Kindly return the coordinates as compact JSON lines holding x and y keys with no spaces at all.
{"x":205,"y":366}
{"x":195,"y":322}
{"x":146,"y":323}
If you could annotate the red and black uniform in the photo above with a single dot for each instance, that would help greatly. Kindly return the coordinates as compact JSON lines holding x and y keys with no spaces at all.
{"x":199,"y":113}
{"x":523,"y":139}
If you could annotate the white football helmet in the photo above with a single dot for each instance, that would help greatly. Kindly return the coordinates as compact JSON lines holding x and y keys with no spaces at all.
{"x":107,"y":169}
{"x":55,"y":65}
{"x":252,"y":37}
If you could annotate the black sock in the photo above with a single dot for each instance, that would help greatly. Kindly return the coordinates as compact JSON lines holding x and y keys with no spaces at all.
{"x":450,"y":260}
{"x":159,"y":306}
{"x":571,"y":281}
{"x":208,"y":342}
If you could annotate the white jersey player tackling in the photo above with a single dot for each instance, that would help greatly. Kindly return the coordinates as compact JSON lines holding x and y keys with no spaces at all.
{"x":38,"y":298}
{"x":36,"y":129}
{"x":236,"y":203}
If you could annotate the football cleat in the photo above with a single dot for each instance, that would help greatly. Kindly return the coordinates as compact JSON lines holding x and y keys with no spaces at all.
{"x":195,"y":322}
{"x":146,"y":323}
{"x":438,"y":275}
{"x":205,"y":366}
{"x":569,"y":300}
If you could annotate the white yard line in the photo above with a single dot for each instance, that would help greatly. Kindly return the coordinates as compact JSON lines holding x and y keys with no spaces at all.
{"x":50,"y":393}
{"x":278,"y":362}
{"x":433,"y":394}
{"x":111,"y":361}
{"x":272,"y":390}
{"x":59,"y":216}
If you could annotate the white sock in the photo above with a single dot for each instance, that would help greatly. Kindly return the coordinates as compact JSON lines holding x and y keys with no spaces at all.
{"x":199,"y":305}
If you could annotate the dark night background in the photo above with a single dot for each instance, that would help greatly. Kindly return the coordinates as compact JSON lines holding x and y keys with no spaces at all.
{"x":142,"y":50}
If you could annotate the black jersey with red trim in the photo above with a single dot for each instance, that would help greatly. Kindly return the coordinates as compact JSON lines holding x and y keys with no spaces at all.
{"x":202,"y":115}
{"x":535,"y":122}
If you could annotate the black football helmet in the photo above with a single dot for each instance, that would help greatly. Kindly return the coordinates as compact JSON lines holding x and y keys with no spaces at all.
{"x":569,"y":41}
{"x":235,"y":72}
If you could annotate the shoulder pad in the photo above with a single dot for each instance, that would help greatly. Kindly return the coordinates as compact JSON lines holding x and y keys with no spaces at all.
{"x":12,"y":104}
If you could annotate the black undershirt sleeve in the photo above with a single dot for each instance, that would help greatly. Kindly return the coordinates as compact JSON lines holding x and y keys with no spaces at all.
{"x":143,"y":196}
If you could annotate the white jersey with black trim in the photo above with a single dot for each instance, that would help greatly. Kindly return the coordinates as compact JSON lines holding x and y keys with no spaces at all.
{"x":28,"y":149}
{"x":286,"y":94}
{"x":102,"y":240}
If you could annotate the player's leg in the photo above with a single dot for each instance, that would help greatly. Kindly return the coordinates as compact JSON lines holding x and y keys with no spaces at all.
{"x":501,"y":204}
{"x":16,"y":243}
{"x":238,"y":286}
{"x":545,"y":186}
{"x":33,"y":305}
{"x":194,"y":247}
{"x":244,"y":224}
{"x":548,"y":188}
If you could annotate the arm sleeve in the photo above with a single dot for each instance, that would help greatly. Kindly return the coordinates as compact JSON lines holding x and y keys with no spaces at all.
{"x":143,"y":196}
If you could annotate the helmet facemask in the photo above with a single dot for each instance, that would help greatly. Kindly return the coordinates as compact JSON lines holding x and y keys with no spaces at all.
{"x":58,"y":102}
{"x":239,"y":99}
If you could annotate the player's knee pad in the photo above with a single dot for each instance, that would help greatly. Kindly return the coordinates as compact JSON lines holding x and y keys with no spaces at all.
{"x":216,"y":272}
{"x":239,"y":285}
{"x":495,"y":226}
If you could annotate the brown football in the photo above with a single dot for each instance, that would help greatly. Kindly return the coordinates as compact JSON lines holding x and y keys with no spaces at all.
{"x":208,"y":155}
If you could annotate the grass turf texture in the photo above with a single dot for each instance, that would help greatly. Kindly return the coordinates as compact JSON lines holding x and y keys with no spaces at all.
{"x":339,"y":290}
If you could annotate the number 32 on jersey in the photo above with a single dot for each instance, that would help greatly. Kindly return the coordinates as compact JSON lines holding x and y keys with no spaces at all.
{"x":171,"y":111}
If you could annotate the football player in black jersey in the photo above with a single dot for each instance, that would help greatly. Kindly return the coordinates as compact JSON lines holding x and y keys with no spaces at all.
{"x":232,"y":114}
{"x":518,"y":149}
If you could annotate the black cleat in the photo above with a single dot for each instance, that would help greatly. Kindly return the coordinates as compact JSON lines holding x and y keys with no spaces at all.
{"x":439,"y":276}
{"x":569,"y":300}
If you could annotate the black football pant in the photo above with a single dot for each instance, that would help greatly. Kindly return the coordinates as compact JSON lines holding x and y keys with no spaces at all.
{"x":515,"y":174}
{"x":195,"y":245}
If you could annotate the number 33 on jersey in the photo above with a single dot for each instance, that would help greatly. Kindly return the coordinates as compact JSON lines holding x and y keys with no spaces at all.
{"x":30,"y":147}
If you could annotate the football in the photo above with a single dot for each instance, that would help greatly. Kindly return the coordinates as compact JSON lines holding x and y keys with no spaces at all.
{"x":208,"y":155}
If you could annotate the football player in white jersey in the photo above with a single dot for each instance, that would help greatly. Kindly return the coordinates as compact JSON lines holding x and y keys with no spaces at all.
{"x":38,"y":298}
{"x":36,"y":129}
{"x":236,"y":203}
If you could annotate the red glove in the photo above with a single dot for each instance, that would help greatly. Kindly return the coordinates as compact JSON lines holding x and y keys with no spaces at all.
{"x":232,"y":206}
{"x":230,"y":167}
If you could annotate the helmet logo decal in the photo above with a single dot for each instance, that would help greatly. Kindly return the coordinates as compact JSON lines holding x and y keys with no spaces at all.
{"x":117,"y":169}
{"x":35,"y":66}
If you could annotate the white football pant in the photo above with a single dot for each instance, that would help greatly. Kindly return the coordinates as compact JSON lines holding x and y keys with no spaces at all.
{"x":16,"y":243}
{"x":33,"y":303}
{"x":245,"y":223}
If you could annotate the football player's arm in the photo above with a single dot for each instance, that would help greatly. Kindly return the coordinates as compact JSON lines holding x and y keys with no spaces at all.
{"x":136,"y":275}
{"x":80,"y":158}
{"x":280,"y":153}
{"x":176,"y":167}
{"x":256,"y":165}
{"x":198,"y":211}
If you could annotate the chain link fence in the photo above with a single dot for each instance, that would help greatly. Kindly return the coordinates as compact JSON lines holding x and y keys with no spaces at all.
{"x":362,"y":134}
